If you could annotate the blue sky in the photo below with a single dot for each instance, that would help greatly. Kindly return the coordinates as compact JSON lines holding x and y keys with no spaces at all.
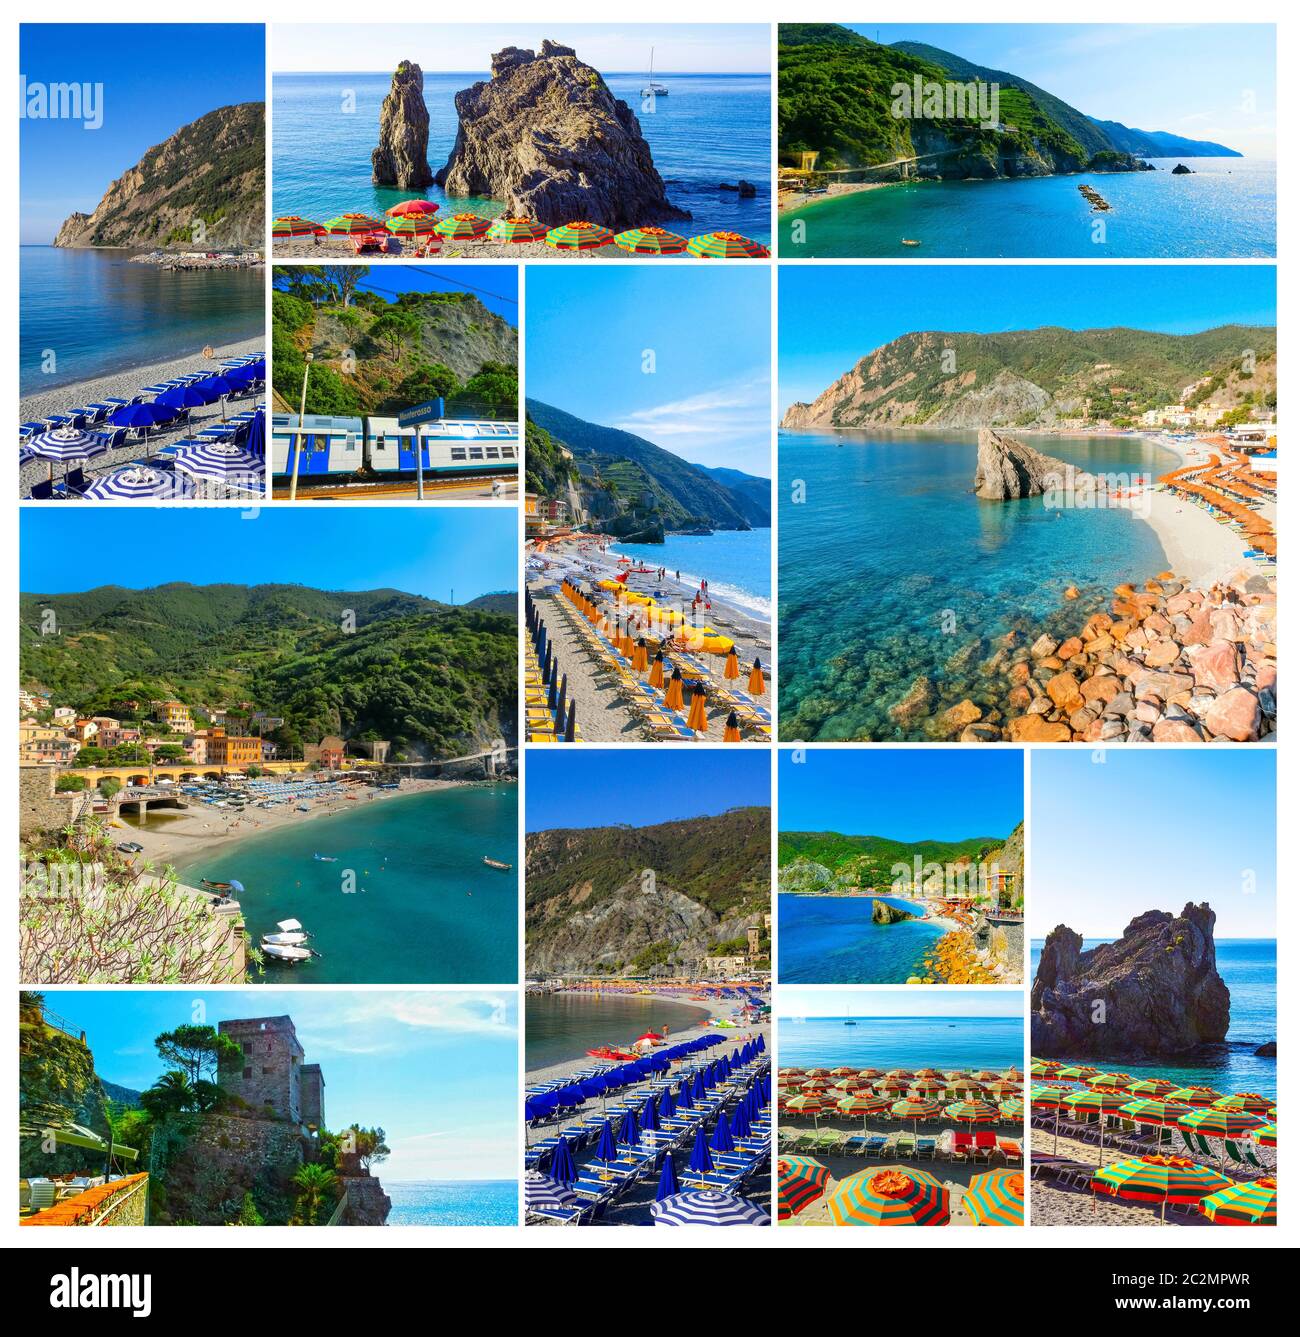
{"x":1191,"y":79}
{"x":436,"y":1069}
{"x":428,"y":551}
{"x":904,"y":793}
{"x":1152,"y":829}
{"x":496,"y":286}
{"x":592,"y":330}
{"x":831,"y":315}
{"x":156,"y":78}
{"x":611,"y":48}
{"x":612,"y":787}
{"x":901,"y":1003}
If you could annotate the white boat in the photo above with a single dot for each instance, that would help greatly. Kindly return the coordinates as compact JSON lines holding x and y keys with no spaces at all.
{"x":653,"y":89}
{"x":279,"y":952}
{"x":291,"y":934}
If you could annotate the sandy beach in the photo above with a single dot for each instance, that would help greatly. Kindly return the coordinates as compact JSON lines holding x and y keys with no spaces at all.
{"x":787,"y":201}
{"x":201,"y":830}
{"x":602,"y":715}
{"x":123,"y":385}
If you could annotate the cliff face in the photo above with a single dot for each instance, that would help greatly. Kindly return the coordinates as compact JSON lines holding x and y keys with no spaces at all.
{"x":1153,"y":994}
{"x":1007,"y":469}
{"x":547,"y":136}
{"x":401,"y":157}
{"x":203,"y":188}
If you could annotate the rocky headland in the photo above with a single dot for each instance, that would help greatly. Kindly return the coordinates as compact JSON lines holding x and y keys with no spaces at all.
{"x":401,"y":157}
{"x":884,"y":913}
{"x":1007,"y":469}
{"x":1155,"y":993}
{"x":546,"y":136}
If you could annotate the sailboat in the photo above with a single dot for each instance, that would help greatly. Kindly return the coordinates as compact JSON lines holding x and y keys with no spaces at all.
{"x":653,"y":89}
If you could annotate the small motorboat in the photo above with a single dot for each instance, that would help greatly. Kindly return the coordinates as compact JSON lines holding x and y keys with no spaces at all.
{"x":325,"y":858}
{"x":496,"y":863}
{"x":290,"y":954}
{"x":225,"y":887}
{"x":291,"y":934}
{"x":908,"y":241}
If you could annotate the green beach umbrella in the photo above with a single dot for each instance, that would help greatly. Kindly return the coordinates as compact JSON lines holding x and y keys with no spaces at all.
{"x":727,"y":246}
{"x":1099,"y":1102}
{"x":1076,"y":1072}
{"x":1047,"y":1097}
{"x":1166,"y":1113}
{"x":971,"y":1111}
{"x":1013,"y":1074}
{"x":1266,"y":1136}
{"x":808,"y":1103}
{"x":1001,"y":1088}
{"x":1253,"y":1204}
{"x":1162,"y":1179}
{"x":927,"y":1086}
{"x":1112,"y":1081}
{"x":650,"y":241}
{"x":1152,"y":1086}
{"x":800,"y":1181}
{"x":579,"y":236}
{"x":895,"y":1195}
{"x":516,"y":230}
{"x":1043,"y":1070}
{"x":462,"y":227}
{"x":1012,"y":1108}
{"x":350,"y":225}
{"x":996,"y":1198}
{"x":863,"y":1103}
{"x":1196,"y":1096}
{"x":1248,"y":1101}
{"x":411,"y":225}
{"x":1215,"y":1121}
{"x":293,"y":226}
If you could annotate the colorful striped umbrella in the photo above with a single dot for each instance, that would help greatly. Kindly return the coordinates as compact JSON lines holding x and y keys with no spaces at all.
{"x":996,"y":1198}
{"x":1048,"y":1097}
{"x":819,"y":1072}
{"x":1013,"y":1074}
{"x":927,"y":1086}
{"x":411,"y":208}
{"x":293,"y":226}
{"x":727,"y":246}
{"x":707,"y":1207}
{"x":1001,"y":1088}
{"x":579,"y":236}
{"x":816,"y":1084}
{"x":1152,"y":1086}
{"x":901,"y":1072}
{"x":1165,"y":1113}
{"x":1249,"y":1101}
{"x":516,"y":230}
{"x":894,"y":1084}
{"x":929,"y":1072}
{"x":985,"y":1075}
{"x":1111,"y":1080}
{"x":462,"y":227}
{"x":895,"y":1195}
{"x":870,"y":1074}
{"x":1044,"y":1070}
{"x":800,"y":1180}
{"x":971,"y":1111}
{"x":412,"y":225}
{"x":351,"y":225}
{"x":863,"y":1103}
{"x":1196,"y":1096}
{"x":966,"y":1084}
{"x":843,"y":1072}
{"x":1013,"y":1108}
{"x":1075,"y":1072}
{"x":808,"y":1103}
{"x":915,"y":1109}
{"x":1215,"y":1121}
{"x":1253,"y":1204}
{"x":650,"y":241}
{"x":1162,"y":1179}
{"x":1266,"y":1136}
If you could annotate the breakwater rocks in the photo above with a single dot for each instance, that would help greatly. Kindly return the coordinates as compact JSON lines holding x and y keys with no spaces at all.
{"x":547,"y":136}
{"x":1153,"y":994}
{"x":1099,"y":205}
{"x":401,"y":157}
{"x":1007,"y":469}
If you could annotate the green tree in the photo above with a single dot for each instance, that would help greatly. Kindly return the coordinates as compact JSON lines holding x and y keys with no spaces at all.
{"x":70,"y":784}
{"x":248,"y":1213}
{"x":109,"y":786}
{"x":198,"y":1051}
{"x":343,"y":280}
{"x":91,"y":756}
{"x":397,"y":330}
{"x":315,"y":1184}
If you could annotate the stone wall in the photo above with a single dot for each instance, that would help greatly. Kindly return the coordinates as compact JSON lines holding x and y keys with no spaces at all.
{"x":368,"y":1204}
{"x":312,"y":1084}
{"x":270,"y":1075}
{"x":39,"y":808}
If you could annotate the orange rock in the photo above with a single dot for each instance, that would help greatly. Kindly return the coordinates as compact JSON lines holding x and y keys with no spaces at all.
{"x":1100,"y":687}
{"x":1035,"y":729}
{"x":1071,"y":592}
{"x":1069,"y":648}
{"x":1064,"y":691}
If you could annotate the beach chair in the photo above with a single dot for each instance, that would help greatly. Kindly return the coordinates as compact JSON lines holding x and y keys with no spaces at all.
{"x":905,"y":1145}
{"x":1204,"y":1146}
{"x":927,"y":1148}
{"x":45,"y":490}
{"x":1187,"y":1139}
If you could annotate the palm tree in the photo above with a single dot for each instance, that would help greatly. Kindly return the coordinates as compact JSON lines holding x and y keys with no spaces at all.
{"x":314,"y":1183}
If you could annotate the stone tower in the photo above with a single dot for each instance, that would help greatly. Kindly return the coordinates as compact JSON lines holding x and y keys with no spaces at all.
{"x":312,"y":1085}
{"x":270,"y":1077}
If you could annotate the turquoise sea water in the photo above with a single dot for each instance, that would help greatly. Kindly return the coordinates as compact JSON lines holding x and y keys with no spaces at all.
{"x":1249,"y":969}
{"x":946,"y":1043}
{"x":736,"y":563}
{"x":1226,"y":210}
{"x":710,"y":128}
{"x":425,"y":909}
{"x":558,"y":1027}
{"x":98,"y":313}
{"x":892,"y":567}
{"x":832,"y":940}
{"x":467,"y":1202}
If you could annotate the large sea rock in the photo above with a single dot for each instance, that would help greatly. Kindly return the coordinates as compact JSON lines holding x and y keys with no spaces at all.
{"x":1007,"y":469}
{"x":1155,"y":993}
{"x":546,"y":136}
{"x":401,"y":158}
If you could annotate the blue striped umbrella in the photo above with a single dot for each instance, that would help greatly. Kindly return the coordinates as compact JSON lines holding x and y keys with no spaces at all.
{"x":133,"y":484}
{"x":707,"y":1208}
{"x":223,"y":461}
{"x":66,"y":443}
{"x":542,"y":1191}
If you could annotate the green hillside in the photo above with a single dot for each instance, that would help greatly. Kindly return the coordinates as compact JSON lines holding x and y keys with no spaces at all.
{"x":428,"y":676}
{"x":867,"y":860}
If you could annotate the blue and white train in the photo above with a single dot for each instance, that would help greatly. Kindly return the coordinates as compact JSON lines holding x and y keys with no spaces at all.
{"x":344,"y":447}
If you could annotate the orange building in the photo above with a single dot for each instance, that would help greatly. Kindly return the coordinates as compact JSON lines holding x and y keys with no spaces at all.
{"x":232,"y":750}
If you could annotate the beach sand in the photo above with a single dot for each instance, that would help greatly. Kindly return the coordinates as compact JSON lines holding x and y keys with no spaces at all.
{"x":602,"y":716}
{"x":123,"y":385}
{"x":787,"y":201}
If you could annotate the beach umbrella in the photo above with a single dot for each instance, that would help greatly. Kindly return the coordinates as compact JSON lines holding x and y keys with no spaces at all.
{"x":731,"y":729}
{"x":1099,"y":1102}
{"x":1162,"y":1113}
{"x":606,"y":1148}
{"x":985,"y":1075}
{"x":667,"y":1105}
{"x":66,"y":444}
{"x":223,"y":462}
{"x":409,"y":208}
{"x":656,"y":678}
{"x":1001,"y":1088}
{"x":640,"y":657}
{"x":668,"y":1185}
{"x":579,"y":236}
{"x":1110,"y":1080}
{"x":698,"y":719}
{"x":1251,"y":1204}
{"x":1013,"y":1108}
{"x":1156,"y":1087}
{"x":563,"y":1168}
{"x":701,"y":1161}
{"x":290,"y":225}
{"x":870,"y":1074}
{"x":757,"y":682}
{"x":411,"y":225}
{"x":699,"y":1085}
{"x":902,"y":1072}
{"x":971,"y":1111}
{"x":1248,"y":1101}
{"x":864,"y":1104}
{"x":516,"y":230}
{"x":1266,"y":1136}
{"x":541,"y":1191}
{"x":707,"y":1208}
{"x":1162,"y":1179}
{"x":181,"y":397}
{"x":740,"y":1126}
{"x":684,"y":1099}
{"x":629,"y":1131}
{"x":894,"y":1085}
{"x":722,"y":1139}
{"x":1013,"y":1074}
{"x":571,"y":725}
{"x":1215,"y":1121}
{"x":896,"y":1195}
{"x":650,"y":241}
{"x":1196,"y":1096}
{"x":133,"y":484}
{"x":350,"y":225}
{"x":926,"y":1086}
{"x":731,"y":669}
{"x":462,"y":227}
{"x":649,"y":1116}
{"x":727,"y":246}
{"x":915,"y":1110}
{"x":800,"y":1181}
{"x":673,"y":696}
{"x":1043,"y":1069}
{"x":996,"y":1198}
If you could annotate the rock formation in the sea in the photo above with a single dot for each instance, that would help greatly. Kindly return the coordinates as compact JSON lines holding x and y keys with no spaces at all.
{"x":1007,"y":469}
{"x":884,"y":913}
{"x":1183,"y":170}
{"x":1155,"y":993}
{"x":546,"y":136}
{"x":202,"y":188}
{"x":1268,"y":1050}
{"x":401,"y":158}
